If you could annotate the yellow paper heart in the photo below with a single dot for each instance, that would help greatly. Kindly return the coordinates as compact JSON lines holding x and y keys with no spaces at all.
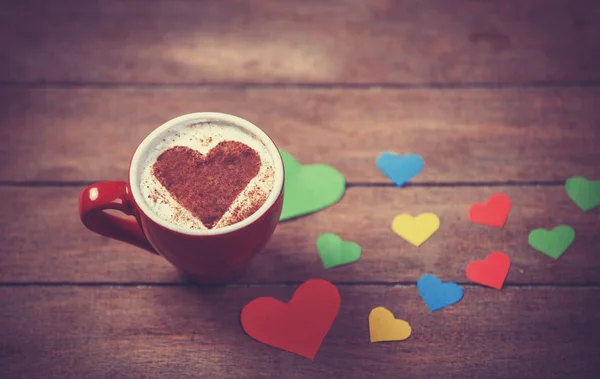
{"x":384,"y":327}
{"x":416,"y":230}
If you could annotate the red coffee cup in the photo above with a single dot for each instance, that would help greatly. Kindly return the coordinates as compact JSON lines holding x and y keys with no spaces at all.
{"x":206,"y":256}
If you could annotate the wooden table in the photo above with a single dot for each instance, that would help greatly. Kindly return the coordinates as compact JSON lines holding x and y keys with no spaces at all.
{"x":497,"y":96}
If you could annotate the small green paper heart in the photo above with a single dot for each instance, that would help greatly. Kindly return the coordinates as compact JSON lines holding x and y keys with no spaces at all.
{"x":335,"y":252}
{"x":309,"y":188}
{"x":585,"y":193}
{"x":552,"y":242}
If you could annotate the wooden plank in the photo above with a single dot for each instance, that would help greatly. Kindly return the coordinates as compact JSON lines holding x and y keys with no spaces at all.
{"x":274,"y":41}
{"x":463,"y":135}
{"x":45,"y":241}
{"x":187,"y":332}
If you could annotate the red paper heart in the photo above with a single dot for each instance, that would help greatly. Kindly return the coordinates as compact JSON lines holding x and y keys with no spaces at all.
{"x":493,"y":213}
{"x":491,"y":271}
{"x":298,"y":326}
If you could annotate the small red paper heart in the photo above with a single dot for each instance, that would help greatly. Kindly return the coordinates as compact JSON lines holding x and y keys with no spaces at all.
{"x":491,"y":271}
{"x":493,"y":213}
{"x":298,"y":326}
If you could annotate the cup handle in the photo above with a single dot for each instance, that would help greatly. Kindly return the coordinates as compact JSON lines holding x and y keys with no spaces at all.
{"x":94,"y":199}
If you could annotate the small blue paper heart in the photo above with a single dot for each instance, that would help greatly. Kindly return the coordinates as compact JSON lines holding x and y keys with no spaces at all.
{"x":400,"y":168}
{"x":438,"y":295}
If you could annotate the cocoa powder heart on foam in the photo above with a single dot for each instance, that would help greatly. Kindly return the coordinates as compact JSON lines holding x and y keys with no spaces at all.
{"x":207,"y":185}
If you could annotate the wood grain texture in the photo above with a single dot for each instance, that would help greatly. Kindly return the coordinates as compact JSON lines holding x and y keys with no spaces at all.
{"x":274,"y":41}
{"x":186,"y":332}
{"x":463,"y":135}
{"x":44,"y":240}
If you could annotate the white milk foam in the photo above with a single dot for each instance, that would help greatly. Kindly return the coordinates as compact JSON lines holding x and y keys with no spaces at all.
{"x":203,"y":136}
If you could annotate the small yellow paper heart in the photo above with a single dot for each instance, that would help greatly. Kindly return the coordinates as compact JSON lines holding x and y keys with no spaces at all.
{"x":416,"y":230}
{"x":384,"y":327}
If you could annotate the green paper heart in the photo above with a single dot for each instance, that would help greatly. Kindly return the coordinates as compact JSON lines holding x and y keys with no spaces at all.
{"x":552,"y":242}
{"x":309,"y":188}
{"x":335,"y":252}
{"x":585,"y":193}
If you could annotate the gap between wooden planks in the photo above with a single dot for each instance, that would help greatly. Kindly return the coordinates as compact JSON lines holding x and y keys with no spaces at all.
{"x":274,"y":41}
{"x":188,"y":332}
{"x":465,"y":136}
{"x":44,"y":241}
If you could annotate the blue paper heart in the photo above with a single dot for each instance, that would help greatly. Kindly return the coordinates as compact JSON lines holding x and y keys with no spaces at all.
{"x":400,"y":168}
{"x":438,"y":295}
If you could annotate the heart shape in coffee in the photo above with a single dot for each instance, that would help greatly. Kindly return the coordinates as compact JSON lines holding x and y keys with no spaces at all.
{"x":207,"y":185}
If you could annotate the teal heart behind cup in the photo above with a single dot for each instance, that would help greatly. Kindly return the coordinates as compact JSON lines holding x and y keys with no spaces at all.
{"x":552,"y":242}
{"x":585,"y":193}
{"x":309,"y":188}
{"x":335,"y":252}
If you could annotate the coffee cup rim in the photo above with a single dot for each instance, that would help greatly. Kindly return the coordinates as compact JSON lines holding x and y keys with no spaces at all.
{"x":196,"y":117}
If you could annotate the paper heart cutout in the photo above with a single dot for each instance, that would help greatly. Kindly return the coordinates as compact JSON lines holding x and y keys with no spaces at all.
{"x":436,"y":294}
{"x":228,"y":162}
{"x":416,"y":230}
{"x":491,"y":271}
{"x":400,"y":168}
{"x":493,"y":213}
{"x":335,"y":252}
{"x":309,"y":188}
{"x":384,"y":327}
{"x":300,"y":326}
{"x":552,"y":242}
{"x":585,"y":193}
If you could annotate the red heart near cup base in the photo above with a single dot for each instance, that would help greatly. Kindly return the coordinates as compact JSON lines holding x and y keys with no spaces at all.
{"x":298,"y":326}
